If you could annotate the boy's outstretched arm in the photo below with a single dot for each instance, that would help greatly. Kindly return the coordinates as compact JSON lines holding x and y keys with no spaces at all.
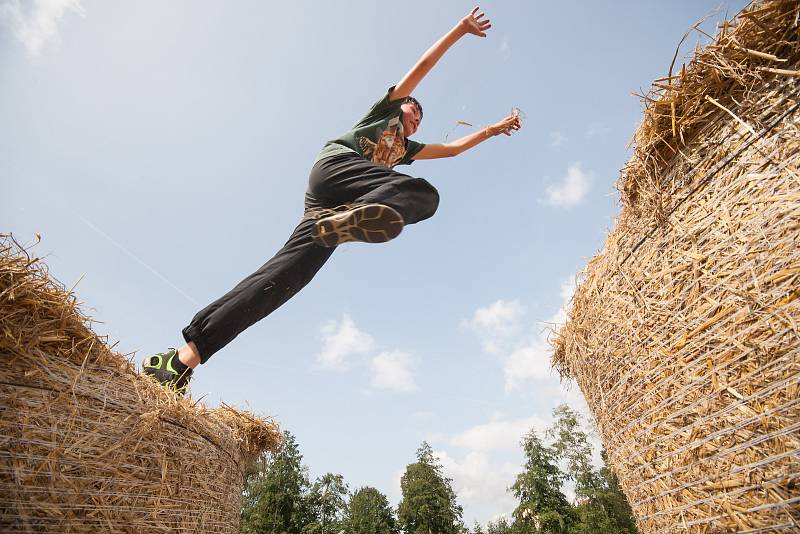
{"x":472,"y":23}
{"x":506,"y":126}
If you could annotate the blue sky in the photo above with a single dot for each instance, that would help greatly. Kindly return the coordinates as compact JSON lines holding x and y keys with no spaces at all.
{"x":162,"y":150}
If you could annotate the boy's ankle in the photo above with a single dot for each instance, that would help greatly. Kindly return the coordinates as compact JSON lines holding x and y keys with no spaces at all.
{"x":189,"y":356}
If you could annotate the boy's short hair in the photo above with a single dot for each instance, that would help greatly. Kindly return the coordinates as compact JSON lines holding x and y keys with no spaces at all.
{"x":416,"y":103}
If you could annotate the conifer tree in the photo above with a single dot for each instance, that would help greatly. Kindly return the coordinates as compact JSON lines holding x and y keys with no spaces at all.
{"x":369,"y":512}
{"x":600,"y":505}
{"x":273,"y":499}
{"x":326,"y":503}
{"x":429,"y":503}
{"x":542,"y":506}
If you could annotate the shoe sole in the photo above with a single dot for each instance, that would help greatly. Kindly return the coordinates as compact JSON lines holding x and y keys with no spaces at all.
{"x":373,"y":223}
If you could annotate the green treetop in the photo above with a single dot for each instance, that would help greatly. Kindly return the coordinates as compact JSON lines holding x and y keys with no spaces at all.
{"x":542,"y":506}
{"x":326,"y":502}
{"x":429,"y":503}
{"x":273,"y":499}
{"x":369,"y":512}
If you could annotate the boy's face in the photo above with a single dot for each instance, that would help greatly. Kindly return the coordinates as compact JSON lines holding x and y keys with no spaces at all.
{"x":411,"y":118}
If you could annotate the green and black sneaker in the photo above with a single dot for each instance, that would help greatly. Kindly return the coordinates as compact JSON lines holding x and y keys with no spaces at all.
{"x":370,"y":223}
{"x":166,"y":369}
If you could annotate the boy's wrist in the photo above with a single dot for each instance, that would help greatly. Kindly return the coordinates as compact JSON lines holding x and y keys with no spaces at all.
{"x":459,"y":30}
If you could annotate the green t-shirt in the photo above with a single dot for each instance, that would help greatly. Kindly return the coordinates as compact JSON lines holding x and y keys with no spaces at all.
{"x":378,"y":137}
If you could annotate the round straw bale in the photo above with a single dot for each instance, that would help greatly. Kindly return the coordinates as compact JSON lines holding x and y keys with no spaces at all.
{"x":88,"y":444}
{"x":684,"y":334}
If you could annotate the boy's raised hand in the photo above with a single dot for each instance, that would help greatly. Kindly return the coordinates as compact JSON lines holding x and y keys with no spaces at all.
{"x":507,"y":126}
{"x":473,"y":24}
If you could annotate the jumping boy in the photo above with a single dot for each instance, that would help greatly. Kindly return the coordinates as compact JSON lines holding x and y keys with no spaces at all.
{"x":353,"y":195}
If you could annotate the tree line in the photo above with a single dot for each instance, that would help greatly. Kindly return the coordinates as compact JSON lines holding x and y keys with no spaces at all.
{"x":278,"y":496}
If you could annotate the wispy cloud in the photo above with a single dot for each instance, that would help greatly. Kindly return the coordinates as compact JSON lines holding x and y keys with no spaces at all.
{"x":525,"y":354}
{"x":496,"y":324}
{"x":480,"y":468}
{"x":557,"y":139}
{"x":571,"y":189}
{"x":35,"y":23}
{"x":484,"y":460}
{"x":345,"y":345}
{"x":531,"y":360}
{"x":505,"y":48}
{"x":596,"y":129}
{"x":496,"y":435}
{"x":393,"y":371}
{"x":527,"y":363}
{"x":479,"y":482}
{"x":340,"y":341}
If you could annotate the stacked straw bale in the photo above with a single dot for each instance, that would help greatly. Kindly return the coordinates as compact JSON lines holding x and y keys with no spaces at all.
{"x":88,"y":445}
{"x":684,"y":334}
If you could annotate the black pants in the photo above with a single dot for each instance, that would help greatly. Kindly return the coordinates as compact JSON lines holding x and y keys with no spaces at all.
{"x":333,"y":181}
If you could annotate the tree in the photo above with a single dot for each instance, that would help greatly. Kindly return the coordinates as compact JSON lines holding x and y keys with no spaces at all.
{"x":614,"y":502}
{"x":601,"y":506}
{"x":326,"y":503}
{"x":501,"y":526}
{"x":429,"y":503}
{"x":571,"y":444}
{"x":542,"y":506}
{"x":273,"y":499}
{"x":369,"y":512}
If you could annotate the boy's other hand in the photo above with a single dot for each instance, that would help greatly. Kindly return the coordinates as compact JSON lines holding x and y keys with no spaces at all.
{"x":473,"y":24}
{"x":507,"y":126}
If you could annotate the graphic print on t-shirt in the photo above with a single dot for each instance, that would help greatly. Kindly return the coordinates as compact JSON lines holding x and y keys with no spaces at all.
{"x":389,"y":147}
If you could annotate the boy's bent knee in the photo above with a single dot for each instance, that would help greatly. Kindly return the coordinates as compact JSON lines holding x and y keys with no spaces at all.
{"x":430,"y":200}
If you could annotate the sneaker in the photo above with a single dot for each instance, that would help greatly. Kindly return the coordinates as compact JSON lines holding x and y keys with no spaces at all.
{"x":370,"y":223}
{"x":162,"y":368}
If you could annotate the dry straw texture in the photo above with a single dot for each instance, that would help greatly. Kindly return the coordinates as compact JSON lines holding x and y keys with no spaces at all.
{"x":683,"y":335}
{"x":88,"y":445}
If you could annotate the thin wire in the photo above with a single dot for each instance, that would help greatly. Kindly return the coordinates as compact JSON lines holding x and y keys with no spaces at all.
{"x":140,"y":261}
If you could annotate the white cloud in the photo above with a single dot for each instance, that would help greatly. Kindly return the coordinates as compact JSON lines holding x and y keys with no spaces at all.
{"x":489,"y":461}
{"x":496,"y":323}
{"x":483,"y":460}
{"x":596,"y":129}
{"x":505,"y":48}
{"x":35,"y":23}
{"x":390,"y":370}
{"x":568,"y":288}
{"x":340,"y":340}
{"x":557,"y":138}
{"x":571,"y":189}
{"x":496,"y":435}
{"x":479,"y":483}
{"x":393,"y":371}
{"x":525,"y":357}
{"x":531,"y":361}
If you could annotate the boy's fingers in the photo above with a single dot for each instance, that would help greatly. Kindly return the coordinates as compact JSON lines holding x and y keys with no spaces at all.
{"x":475,"y":10}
